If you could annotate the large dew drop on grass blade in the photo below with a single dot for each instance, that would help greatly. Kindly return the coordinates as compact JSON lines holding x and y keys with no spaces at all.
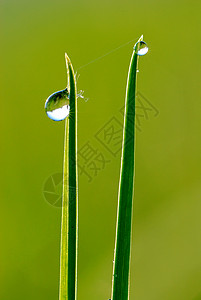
{"x":141,"y":48}
{"x":57,"y":105}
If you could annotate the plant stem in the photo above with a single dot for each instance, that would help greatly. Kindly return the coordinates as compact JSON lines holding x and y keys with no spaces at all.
{"x":69,"y":225}
{"x":121,"y":268}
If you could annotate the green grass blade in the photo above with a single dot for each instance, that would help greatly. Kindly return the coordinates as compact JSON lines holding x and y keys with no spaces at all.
{"x":121,"y":268}
{"x":69,"y":226}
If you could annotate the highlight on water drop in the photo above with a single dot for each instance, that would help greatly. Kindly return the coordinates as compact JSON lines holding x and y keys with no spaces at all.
{"x":57,"y":105}
{"x":141,"y":48}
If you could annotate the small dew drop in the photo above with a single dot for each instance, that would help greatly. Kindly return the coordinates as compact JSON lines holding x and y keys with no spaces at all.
{"x":141,"y":48}
{"x":57,"y":105}
{"x":80,"y":94}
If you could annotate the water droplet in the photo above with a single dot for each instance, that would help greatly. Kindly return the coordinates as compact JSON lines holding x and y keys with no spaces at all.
{"x":80,"y":94}
{"x":141,"y":48}
{"x":57,"y":105}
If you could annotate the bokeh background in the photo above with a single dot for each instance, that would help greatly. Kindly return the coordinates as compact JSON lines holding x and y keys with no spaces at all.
{"x":99,"y":36}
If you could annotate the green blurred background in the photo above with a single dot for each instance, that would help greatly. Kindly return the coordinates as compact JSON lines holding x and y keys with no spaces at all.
{"x":166,"y":256}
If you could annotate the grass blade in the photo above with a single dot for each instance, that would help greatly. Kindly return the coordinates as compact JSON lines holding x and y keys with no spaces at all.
{"x":69,"y":224}
{"x":121,"y":268}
